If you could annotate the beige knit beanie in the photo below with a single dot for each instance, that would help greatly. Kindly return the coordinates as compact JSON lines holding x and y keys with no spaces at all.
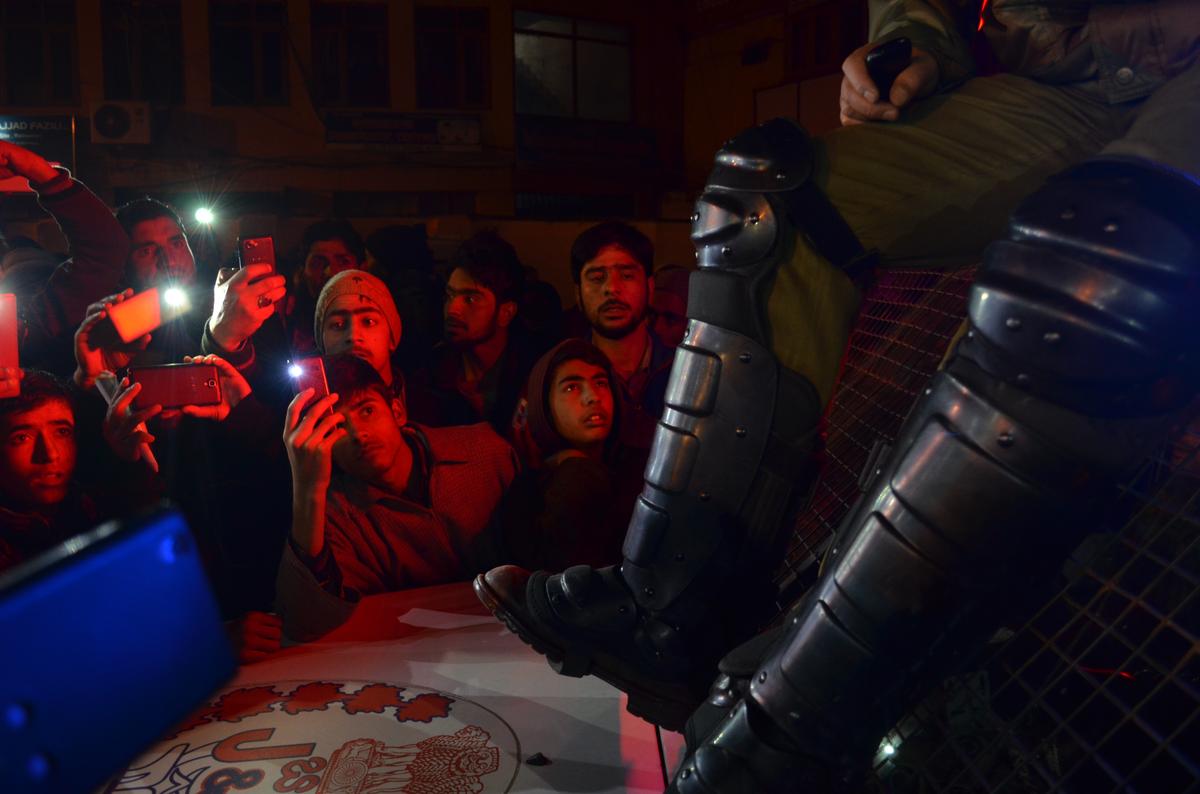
{"x":367,"y":288}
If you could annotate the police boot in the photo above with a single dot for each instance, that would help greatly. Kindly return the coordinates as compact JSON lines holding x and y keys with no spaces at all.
{"x":1081,"y":352}
{"x":731,"y":455}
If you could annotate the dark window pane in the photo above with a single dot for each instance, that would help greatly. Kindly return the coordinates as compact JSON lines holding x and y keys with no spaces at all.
{"x":62,"y":65}
{"x":327,"y":72}
{"x":118,"y":66}
{"x":24,"y":68}
{"x":603,"y":90}
{"x":366,"y":15}
{"x":475,"y":65}
{"x":473,"y":19}
{"x":437,"y":69}
{"x":271,"y":13}
{"x":367,"y":68}
{"x":327,"y":15}
{"x":428,"y":17}
{"x":543,"y":75}
{"x":273,"y":65}
{"x":230,"y":12}
{"x":233,"y":66}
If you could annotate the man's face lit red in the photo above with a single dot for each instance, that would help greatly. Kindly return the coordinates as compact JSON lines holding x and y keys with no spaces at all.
{"x":373,"y":438}
{"x":581,"y":403}
{"x":471,"y":314}
{"x":614,"y":291}
{"x":325,"y":259}
{"x":354,"y":325}
{"x":159,"y":253}
{"x":39,"y":455}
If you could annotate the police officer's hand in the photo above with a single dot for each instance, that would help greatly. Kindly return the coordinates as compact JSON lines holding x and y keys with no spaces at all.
{"x":242,"y":301}
{"x":860,"y":100}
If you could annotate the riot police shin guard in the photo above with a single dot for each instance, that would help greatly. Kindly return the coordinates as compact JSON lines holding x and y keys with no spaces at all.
{"x":732,"y":452}
{"x":1081,"y":352}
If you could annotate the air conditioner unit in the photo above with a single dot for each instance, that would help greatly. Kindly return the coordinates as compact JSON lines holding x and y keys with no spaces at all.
{"x":121,"y":122}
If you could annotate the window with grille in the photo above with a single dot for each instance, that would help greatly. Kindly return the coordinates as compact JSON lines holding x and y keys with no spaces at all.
{"x":350,"y":54}
{"x":143,"y":50}
{"x":40,"y":65}
{"x":452,"y":58}
{"x":571,"y":67}
{"x":249,"y":52}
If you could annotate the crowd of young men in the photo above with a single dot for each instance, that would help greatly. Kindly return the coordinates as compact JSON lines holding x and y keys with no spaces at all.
{"x":398,"y":478}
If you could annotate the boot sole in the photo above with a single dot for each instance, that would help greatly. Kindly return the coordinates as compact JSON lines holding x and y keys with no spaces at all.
{"x":671,"y":712}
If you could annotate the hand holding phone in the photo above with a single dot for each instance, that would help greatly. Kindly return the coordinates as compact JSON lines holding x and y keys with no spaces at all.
{"x":243,"y":299}
{"x":886,"y":62}
{"x":234,"y":389}
{"x":98,"y":347}
{"x":176,"y":385}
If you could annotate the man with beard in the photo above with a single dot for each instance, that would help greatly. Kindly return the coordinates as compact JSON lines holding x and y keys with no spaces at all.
{"x":611,"y":264}
{"x":479,"y":370}
{"x":330,"y":247}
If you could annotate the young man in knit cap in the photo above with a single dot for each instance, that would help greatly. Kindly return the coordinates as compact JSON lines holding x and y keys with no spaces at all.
{"x":356,"y":315}
{"x":405,"y":506}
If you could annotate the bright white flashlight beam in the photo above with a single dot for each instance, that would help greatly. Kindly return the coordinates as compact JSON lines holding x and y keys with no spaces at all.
{"x":295,"y":370}
{"x":205,"y":215}
{"x":889,"y":749}
{"x":175,"y":297}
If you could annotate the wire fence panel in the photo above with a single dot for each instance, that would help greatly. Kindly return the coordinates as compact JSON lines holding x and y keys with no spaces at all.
{"x":1097,"y":691}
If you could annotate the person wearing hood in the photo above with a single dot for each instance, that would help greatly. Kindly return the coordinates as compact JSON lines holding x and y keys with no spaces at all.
{"x":569,"y":506}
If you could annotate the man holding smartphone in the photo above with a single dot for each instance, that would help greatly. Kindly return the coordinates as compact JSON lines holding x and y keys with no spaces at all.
{"x":160,"y":255}
{"x":379,"y":504}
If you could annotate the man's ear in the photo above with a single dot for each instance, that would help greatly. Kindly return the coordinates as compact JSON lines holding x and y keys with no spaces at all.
{"x":399,"y":411}
{"x":506,"y":313}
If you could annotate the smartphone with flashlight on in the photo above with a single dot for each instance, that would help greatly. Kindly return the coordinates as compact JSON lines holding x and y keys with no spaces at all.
{"x":309,"y":373}
{"x":9,"y":336}
{"x":140,"y":314}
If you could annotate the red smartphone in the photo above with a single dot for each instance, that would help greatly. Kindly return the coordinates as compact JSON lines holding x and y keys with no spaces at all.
{"x":309,"y":373}
{"x":176,"y":385}
{"x":9,"y":334}
{"x":256,"y":251}
{"x":141,"y":314}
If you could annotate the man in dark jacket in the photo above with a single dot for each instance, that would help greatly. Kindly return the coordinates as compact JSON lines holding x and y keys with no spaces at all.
{"x":99,"y":247}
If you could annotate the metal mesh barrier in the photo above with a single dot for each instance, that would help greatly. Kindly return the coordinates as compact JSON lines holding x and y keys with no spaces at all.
{"x":1098,"y":691}
{"x":905,"y":325}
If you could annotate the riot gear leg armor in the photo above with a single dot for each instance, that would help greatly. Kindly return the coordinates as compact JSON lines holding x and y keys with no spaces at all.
{"x":1081,"y":349}
{"x":733,"y":450}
